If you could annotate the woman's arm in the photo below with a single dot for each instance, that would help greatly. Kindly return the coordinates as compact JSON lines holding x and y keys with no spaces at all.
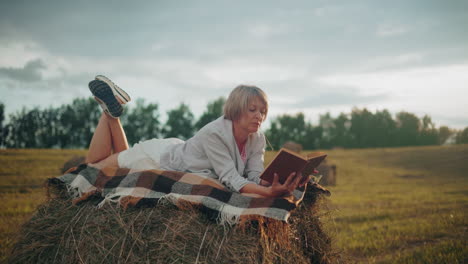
{"x":276,"y":189}
{"x":217,"y":151}
{"x":254,"y":166}
{"x":223,"y":165}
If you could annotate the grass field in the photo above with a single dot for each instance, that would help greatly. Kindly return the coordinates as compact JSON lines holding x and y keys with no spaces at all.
{"x":400,"y":205}
{"x":22,"y":175}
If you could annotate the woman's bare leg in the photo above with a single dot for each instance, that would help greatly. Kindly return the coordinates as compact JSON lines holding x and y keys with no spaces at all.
{"x":111,"y":161}
{"x":109,"y":135}
{"x":119,"y":139}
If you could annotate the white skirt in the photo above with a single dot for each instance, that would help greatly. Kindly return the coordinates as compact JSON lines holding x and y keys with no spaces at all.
{"x":146,"y":155}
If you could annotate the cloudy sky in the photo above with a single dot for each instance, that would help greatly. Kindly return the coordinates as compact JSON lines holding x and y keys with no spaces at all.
{"x":309,"y":56}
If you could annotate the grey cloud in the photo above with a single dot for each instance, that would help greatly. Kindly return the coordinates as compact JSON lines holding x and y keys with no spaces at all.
{"x":31,"y":72}
{"x":318,"y":96}
{"x":212,"y":31}
{"x":339,"y":98}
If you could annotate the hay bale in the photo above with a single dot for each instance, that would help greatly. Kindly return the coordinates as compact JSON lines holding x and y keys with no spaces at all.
{"x":60,"y":232}
{"x":328,"y":172}
{"x":293,"y":146}
{"x":72,"y":162}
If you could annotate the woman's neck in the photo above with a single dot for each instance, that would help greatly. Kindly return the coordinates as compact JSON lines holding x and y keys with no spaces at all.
{"x":240,"y":135}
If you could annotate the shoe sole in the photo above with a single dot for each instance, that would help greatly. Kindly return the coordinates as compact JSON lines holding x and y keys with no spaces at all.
{"x":118,"y":92}
{"x":106,"y":98}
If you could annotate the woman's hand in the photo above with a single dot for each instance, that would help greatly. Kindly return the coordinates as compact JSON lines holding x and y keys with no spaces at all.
{"x":265,"y":183}
{"x":276,"y":189}
{"x":306,"y":179}
{"x":292,"y":182}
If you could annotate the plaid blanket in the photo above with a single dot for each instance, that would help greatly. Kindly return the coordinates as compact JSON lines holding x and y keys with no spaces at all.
{"x":134,"y":188}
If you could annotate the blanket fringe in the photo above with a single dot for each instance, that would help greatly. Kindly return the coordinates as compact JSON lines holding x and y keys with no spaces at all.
{"x":112,"y":198}
{"x":227,"y":219}
{"x":168,"y":199}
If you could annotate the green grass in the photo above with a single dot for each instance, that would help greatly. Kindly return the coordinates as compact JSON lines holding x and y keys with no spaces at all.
{"x":403,"y":205}
{"x":400,"y":205}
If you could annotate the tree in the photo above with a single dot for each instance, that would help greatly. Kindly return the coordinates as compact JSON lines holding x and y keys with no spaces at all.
{"x":293,"y":128}
{"x":408,"y":126}
{"x":179,"y":123}
{"x":142,"y":122}
{"x":213,"y":110}
{"x":312,"y":137}
{"x":326,"y":124}
{"x":24,"y":129}
{"x":361,"y":128}
{"x":49,"y":127}
{"x":77,"y":122}
{"x":339,"y":131}
{"x":444,"y":133}
{"x":462,"y":136}
{"x":383,"y":129}
{"x":287,"y":128}
{"x":428,"y":133}
{"x":334,"y":131}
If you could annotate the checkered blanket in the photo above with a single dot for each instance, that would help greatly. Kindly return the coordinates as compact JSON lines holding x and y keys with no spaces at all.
{"x":134,"y":188}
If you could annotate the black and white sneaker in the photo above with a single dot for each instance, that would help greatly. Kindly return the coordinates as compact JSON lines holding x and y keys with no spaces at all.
{"x":107,"y":94}
{"x":122,"y":96}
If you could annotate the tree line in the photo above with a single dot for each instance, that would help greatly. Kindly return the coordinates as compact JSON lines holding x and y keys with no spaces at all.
{"x":362,"y":129}
{"x":72,"y":126}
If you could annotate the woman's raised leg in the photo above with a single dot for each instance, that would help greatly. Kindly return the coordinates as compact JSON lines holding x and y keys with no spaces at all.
{"x":109,"y":137}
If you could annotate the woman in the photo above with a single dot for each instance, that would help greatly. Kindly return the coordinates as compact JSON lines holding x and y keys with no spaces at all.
{"x":230,"y":148}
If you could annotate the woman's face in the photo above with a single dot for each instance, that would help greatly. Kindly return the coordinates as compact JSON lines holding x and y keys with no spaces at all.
{"x":251,"y":120}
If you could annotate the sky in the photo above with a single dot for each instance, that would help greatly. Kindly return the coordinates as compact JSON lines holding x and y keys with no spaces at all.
{"x":308,"y":56}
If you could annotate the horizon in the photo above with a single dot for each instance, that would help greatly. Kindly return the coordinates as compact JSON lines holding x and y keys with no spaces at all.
{"x":265,"y":125}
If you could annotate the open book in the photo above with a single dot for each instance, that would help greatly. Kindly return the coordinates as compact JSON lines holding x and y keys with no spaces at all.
{"x":285,"y":162}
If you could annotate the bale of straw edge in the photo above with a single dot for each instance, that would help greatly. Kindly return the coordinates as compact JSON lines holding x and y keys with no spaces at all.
{"x":60,"y":232}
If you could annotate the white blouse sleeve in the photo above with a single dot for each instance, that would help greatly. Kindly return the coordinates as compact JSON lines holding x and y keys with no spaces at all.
{"x":218,"y":155}
{"x":254,"y":166}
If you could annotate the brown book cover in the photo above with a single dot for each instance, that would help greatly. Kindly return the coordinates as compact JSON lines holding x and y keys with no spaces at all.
{"x":285,"y":162}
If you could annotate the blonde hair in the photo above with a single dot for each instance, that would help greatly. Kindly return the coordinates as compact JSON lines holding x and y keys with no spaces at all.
{"x":239,"y":99}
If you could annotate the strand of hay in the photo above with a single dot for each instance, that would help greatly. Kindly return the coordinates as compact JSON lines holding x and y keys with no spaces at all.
{"x":61,"y":232}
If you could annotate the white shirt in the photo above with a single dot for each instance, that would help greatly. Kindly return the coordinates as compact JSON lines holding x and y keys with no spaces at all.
{"x":213,"y":152}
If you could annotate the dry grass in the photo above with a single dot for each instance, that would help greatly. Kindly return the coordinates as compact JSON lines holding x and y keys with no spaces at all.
{"x":404,"y":205}
{"x":400,"y":205}
{"x":22,"y":175}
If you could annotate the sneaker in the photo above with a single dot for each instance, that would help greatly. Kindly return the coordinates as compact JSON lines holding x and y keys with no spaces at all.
{"x":106,"y":94}
{"x":122,"y":96}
